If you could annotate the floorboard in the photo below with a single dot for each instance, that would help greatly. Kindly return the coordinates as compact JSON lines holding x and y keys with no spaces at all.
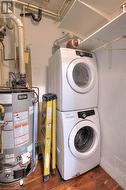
{"x":96,"y":179}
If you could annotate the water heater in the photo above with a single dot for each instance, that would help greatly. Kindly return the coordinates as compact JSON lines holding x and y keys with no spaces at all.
{"x":16,"y":134}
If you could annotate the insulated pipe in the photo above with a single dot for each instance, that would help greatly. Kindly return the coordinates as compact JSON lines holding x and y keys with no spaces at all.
{"x":2,"y":29}
{"x":20,"y":29}
{"x":2,"y":109}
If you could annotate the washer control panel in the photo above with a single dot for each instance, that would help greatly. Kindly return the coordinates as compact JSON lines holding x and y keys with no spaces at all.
{"x":84,"y":114}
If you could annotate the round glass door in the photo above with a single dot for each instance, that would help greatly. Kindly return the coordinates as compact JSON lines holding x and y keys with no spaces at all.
{"x":84,"y":139}
{"x":81,"y":75}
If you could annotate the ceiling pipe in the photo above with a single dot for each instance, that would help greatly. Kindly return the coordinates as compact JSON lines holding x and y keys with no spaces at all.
{"x":34,"y":7}
{"x":57,"y":16}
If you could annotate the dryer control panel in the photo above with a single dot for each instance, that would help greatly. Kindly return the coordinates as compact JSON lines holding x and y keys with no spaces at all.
{"x":84,"y":54}
{"x":84,"y":114}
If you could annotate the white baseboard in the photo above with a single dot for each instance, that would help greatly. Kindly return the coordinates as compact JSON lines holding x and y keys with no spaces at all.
{"x":114,"y":173}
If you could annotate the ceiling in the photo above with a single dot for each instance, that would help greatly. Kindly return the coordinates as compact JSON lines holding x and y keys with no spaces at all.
{"x":51,"y":5}
{"x":108,"y":6}
{"x":87,"y":16}
{"x":56,"y":7}
{"x":81,"y":17}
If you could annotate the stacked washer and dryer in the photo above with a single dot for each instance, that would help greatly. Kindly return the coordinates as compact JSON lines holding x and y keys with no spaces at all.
{"x":73,"y":76}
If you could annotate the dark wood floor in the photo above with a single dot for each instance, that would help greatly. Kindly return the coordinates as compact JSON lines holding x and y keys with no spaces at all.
{"x":96,"y":179}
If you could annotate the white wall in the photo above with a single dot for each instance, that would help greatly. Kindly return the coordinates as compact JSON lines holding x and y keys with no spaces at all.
{"x":40,"y":38}
{"x":112,"y":110}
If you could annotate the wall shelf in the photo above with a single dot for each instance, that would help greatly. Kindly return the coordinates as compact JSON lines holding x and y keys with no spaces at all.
{"x":83,"y":19}
{"x":111,"y":31}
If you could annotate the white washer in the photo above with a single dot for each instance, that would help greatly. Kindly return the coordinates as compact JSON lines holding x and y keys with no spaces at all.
{"x":78,"y":142}
{"x":72,"y":75}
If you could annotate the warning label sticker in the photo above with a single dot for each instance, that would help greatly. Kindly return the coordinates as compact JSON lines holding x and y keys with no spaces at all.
{"x":21,"y":128}
{"x":18,"y":117}
{"x":21,"y":134}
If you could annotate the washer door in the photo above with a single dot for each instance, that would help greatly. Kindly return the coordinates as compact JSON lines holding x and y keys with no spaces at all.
{"x":84,"y":139}
{"x":81,"y":75}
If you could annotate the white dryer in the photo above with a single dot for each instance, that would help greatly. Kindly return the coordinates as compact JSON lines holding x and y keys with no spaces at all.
{"x":78,"y":142}
{"x":72,"y":75}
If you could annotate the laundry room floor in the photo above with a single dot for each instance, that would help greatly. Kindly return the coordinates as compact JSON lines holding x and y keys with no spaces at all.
{"x":96,"y":179}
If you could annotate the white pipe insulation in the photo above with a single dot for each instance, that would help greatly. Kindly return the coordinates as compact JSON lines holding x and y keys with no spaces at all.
{"x":20,"y":30}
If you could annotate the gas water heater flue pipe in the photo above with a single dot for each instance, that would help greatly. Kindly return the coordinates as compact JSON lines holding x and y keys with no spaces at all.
{"x":20,"y":30}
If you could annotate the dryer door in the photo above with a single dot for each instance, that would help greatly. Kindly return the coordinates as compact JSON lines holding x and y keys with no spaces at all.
{"x":81,"y":75}
{"x":84,"y":139}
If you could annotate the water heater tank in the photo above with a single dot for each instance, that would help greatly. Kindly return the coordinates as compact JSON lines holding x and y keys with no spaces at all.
{"x":16,"y":134}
